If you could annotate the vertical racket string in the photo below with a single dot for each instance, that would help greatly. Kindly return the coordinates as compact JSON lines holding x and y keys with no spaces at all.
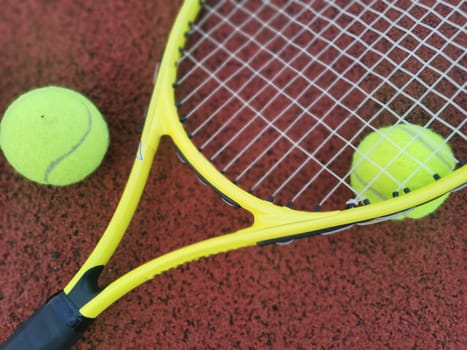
{"x":410,"y":55}
{"x":379,"y":106}
{"x":400,"y":66}
{"x":440,"y":51}
{"x":444,"y":19}
{"x":245,"y":85}
{"x":295,"y":145}
{"x":310,"y":156}
{"x":415,"y":101}
{"x":333,"y":133}
{"x":208,"y":36}
{"x":297,"y":72}
{"x":340,"y":180}
{"x":383,"y":57}
{"x":259,"y":113}
{"x":401,"y":117}
{"x":236,"y":95}
{"x":443,"y":75}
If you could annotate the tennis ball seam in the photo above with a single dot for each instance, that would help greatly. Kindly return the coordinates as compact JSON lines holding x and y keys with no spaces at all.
{"x":32,"y":152}
{"x":366,"y":189}
{"x":60,"y":159}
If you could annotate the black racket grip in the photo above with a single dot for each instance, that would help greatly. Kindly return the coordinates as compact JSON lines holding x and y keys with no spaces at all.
{"x":56,"y":325}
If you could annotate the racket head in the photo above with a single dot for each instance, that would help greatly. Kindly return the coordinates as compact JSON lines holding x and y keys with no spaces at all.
{"x":268,"y":103}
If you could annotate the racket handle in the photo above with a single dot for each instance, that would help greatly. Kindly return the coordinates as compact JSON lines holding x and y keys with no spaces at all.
{"x":57,"y":325}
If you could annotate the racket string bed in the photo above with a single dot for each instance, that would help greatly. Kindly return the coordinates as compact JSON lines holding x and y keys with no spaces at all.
{"x":338,"y":70}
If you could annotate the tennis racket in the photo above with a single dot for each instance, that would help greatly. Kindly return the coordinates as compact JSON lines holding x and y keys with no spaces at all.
{"x":267,"y":102}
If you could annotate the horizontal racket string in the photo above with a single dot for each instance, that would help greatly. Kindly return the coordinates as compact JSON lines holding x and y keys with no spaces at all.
{"x":296,"y":144}
{"x":436,"y":115}
{"x":254,"y":107}
{"x":252,"y":164}
{"x":337,"y":154}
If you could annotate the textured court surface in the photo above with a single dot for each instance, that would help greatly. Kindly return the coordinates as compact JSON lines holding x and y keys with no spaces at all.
{"x":393,"y":285}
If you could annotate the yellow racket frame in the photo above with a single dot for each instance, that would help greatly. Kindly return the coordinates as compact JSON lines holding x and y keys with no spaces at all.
{"x":270,"y":221}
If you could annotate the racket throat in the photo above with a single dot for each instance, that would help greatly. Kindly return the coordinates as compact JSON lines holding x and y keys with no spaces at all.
{"x":86,"y":288}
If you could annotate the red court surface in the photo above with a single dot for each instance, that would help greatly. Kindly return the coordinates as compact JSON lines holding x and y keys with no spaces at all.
{"x":394,"y":285}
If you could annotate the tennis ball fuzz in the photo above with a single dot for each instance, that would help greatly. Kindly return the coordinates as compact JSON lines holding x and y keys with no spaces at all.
{"x":393,"y":160}
{"x":54,"y":136}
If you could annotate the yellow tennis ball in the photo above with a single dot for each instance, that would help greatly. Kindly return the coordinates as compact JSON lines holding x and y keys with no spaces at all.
{"x":54,"y":136}
{"x":411,"y":157}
